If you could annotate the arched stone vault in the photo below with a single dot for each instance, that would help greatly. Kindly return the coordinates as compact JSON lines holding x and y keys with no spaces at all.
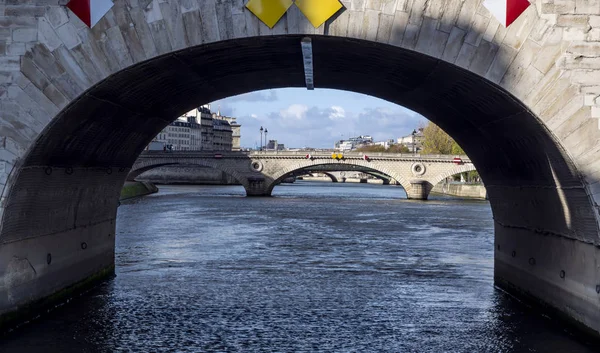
{"x":144,"y":166}
{"x":79,"y":105}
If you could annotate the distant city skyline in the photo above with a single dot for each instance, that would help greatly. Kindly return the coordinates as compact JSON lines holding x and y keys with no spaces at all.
{"x":298,"y":117}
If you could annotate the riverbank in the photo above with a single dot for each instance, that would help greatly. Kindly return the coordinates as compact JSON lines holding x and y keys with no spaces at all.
{"x":133,"y":189}
{"x":468,"y":191}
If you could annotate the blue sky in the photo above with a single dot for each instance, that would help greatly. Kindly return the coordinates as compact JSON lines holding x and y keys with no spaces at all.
{"x":298,"y":117}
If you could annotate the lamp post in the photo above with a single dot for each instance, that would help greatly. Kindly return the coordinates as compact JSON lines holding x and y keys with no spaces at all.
{"x":261,"y":140}
{"x":266,"y":141}
{"x":413,"y":141}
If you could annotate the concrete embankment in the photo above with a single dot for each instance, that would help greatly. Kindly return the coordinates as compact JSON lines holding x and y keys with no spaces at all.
{"x":470,"y":191}
{"x":133,"y":189}
{"x":196,"y":175}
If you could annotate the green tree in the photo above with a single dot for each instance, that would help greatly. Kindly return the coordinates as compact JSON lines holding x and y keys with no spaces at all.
{"x":371,"y":148}
{"x":398,"y":149}
{"x":456,"y":149}
{"x":436,"y":140}
{"x":379,"y":148}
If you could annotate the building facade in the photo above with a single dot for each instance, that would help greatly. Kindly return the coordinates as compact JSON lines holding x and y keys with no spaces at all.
{"x":353,"y":143}
{"x":235,"y":129}
{"x":199,"y":130}
{"x":273,"y":145}
{"x":223,"y":135}
{"x":414,"y":142}
{"x":206,"y":127}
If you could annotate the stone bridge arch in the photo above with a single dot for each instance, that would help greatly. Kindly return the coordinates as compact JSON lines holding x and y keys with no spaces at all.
{"x":457,"y":170}
{"x":79,"y":105}
{"x":279,"y":171}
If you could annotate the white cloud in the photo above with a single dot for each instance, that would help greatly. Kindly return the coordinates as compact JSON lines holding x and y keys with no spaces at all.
{"x":294,"y":111}
{"x":337,"y":113}
{"x":299,"y":125}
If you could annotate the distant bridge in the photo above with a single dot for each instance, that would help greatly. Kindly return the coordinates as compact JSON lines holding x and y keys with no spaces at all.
{"x":259,"y":172}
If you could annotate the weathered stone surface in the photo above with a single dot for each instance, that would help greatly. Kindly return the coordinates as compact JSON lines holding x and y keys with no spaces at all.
{"x":24,"y":34}
{"x":9,"y":63}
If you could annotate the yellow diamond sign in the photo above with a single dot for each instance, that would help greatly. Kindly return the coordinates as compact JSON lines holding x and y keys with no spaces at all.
{"x":269,"y":11}
{"x":318,"y":11}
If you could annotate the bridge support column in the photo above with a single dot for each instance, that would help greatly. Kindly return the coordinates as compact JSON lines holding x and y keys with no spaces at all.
{"x":419,"y":189}
{"x":557,"y":274}
{"x":257,"y":187}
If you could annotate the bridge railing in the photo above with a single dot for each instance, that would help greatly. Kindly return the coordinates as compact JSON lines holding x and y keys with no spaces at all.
{"x":315,"y":154}
{"x":358,"y":154}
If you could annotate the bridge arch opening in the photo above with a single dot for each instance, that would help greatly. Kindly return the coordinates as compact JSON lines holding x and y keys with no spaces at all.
{"x":327,"y":168}
{"x":301,"y":173}
{"x":66,"y":187}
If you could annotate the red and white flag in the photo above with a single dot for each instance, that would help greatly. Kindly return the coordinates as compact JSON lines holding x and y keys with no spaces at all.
{"x":506,"y":11}
{"x":90,"y":11}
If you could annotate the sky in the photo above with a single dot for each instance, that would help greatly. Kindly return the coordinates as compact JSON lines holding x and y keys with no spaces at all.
{"x":299,"y":118}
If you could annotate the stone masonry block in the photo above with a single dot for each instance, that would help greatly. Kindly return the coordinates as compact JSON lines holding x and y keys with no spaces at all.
{"x":587,"y":6}
{"x":24,"y":11}
{"x":579,"y":62}
{"x":585,"y":77}
{"x":15,"y":49}
{"x":57,"y":16}
{"x":68,"y":34}
{"x":47,"y":35}
{"x":10,"y":63}
{"x":593,"y":35}
{"x":575,"y":34}
{"x":10,"y":145}
{"x":573,"y":21}
{"x":560,"y":7}
{"x":24,"y":34}
{"x":594,"y":21}
{"x":591,"y":49}
{"x":590,"y":99}
{"x":8,"y":156}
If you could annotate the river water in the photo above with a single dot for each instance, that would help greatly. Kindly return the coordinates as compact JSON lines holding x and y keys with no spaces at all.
{"x":319,"y":267}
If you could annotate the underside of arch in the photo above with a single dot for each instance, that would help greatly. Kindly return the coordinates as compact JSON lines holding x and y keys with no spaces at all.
{"x":139,"y":170}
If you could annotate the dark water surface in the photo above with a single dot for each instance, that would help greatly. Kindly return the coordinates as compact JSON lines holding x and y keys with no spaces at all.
{"x":320,"y":267}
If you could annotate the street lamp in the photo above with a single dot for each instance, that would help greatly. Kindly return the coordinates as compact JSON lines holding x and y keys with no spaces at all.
{"x":261,"y":140}
{"x":413,"y":141}
{"x":266,"y":141}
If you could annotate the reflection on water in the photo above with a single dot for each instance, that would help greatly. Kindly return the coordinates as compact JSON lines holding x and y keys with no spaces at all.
{"x":318,"y":267}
